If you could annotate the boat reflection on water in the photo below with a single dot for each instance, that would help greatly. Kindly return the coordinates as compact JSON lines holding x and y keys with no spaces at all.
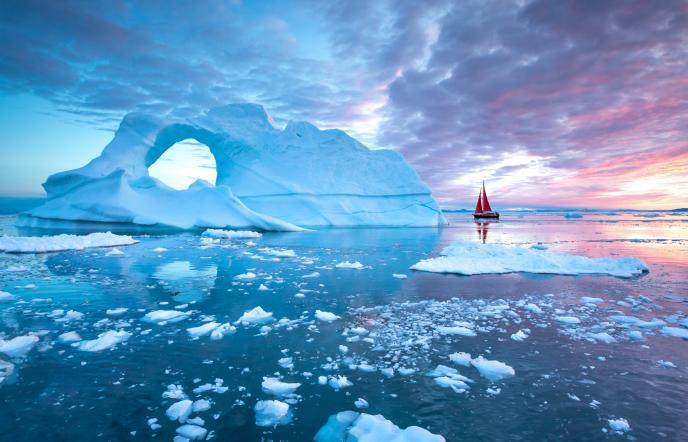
{"x":482,"y":227}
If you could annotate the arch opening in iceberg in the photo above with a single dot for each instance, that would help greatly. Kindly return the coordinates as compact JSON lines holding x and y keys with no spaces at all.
{"x":184,"y":163}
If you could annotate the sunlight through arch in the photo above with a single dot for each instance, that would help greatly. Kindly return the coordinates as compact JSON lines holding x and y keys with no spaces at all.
{"x":184,"y":163}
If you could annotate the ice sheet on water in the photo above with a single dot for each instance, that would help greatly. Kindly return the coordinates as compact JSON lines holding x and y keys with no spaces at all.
{"x":469,"y":258}
{"x":58,"y":243}
{"x":352,"y":426}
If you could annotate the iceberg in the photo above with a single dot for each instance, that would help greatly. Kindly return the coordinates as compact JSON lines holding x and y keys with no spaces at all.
{"x":351,"y":426}
{"x":267,"y":178}
{"x":468,"y":258}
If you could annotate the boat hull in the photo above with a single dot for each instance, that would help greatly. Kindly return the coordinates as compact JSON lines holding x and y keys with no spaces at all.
{"x":493,"y":215}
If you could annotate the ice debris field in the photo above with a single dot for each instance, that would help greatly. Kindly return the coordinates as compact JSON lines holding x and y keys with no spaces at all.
{"x":331,"y":336}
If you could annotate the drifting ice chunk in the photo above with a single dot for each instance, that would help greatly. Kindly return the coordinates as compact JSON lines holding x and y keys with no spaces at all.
{"x":351,"y":426}
{"x":222,"y":330}
{"x":180,"y":411}
{"x":230,"y":234}
{"x":69,"y":337}
{"x":202,"y":330}
{"x":456,"y":330}
{"x":468,"y":258}
{"x":675,"y":331}
{"x":278,"y":388}
{"x":192,"y":432}
{"x":280,"y":253}
{"x":267,"y":178}
{"x":116,"y":311}
{"x":162,"y":317}
{"x":4,"y":296}
{"x":361,"y":403}
{"x":568,"y":320}
{"x":492,"y":370}
{"x":105,"y":341}
{"x":58,"y":243}
{"x":272,"y":413}
{"x":325,"y":316}
{"x":461,"y":358}
{"x":349,"y":265}
{"x":6,"y":370}
{"x":619,"y":425}
{"x":339,"y":382}
{"x":247,"y":275}
{"x":519,"y":336}
{"x":19,"y":346}
{"x":255,"y":316}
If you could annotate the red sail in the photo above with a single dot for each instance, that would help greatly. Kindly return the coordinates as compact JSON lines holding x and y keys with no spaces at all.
{"x":486,"y":203}
{"x":479,"y":205}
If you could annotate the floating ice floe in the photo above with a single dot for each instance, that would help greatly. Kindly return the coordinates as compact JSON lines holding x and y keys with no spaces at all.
{"x":247,"y":275}
{"x":160,"y":250}
{"x":231,"y":234}
{"x":461,"y":358}
{"x":456,"y":330}
{"x":272,"y":413}
{"x":162,"y":317}
{"x":468,"y":258}
{"x":349,"y":265}
{"x":361,"y":403}
{"x":280,"y":253}
{"x":116,"y":311}
{"x":115,"y":252}
{"x":192,"y":432}
{"x":676,"y":332}
{"x":568,"y":319}
{"x":399,"y":275}
{"x":519,"y":336}
{"x":104,"y":341}
{"x":255,"y":316}
{"x":351,"y":426}
{"x":58,"y":243}
{"x":325,"y":316}
{"x":6,"y":370}
{"x":6,"y":296}
{"x":19,"y":346}
{"x":276,"y":387}
{"x":202,"y":330}
{"x":339,"y":382}
{"x":180,"y":411}
{"x":492,"y":370}
{"x":69,"y":337}
{"x":619,"y":425}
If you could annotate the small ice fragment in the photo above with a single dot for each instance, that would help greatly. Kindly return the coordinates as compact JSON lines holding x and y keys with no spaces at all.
{"x":354,"y":426}
{"x":568,"y":319}
{"x":325,"y":316}
{"x":287,"y":363}
{"x":349,"y":265}
{"x":5,"y":296}
{"x":201,"y":405}
{"x":116,"y":311}
{"x":69,"y":337}
{"x":104,"y":341}
{"x":263,"y":288}
{"x":519,"y":336}
{"x":361,"y":403}
{"x":272,"y":413}
{"x":162,"y":317}
{"x":666,"y":364}
{"x":255,"y":316}
{"x":230,"y":234}
{"x":159,"y":250}
{"x":675,"y":331}
{"x":619,"y":425}
{"x":339,"y":382}
{"x":399,"y":275}
{"x":58,"y":243}
{"x":591,"y":300}
{"x":456,"y":331}
{"x":192,"y":432}
{"x":19,"y":346}
{"x":322,"y":380}
{"x":533,"y":308}
{"x":180,"y":411}
{"x":247,"y":275}
{"x":222,"y":330}
{"x":115,"y":252}
{"x":278,"y":388}
{"x":492,"y":370}
{"x":202,"y":330}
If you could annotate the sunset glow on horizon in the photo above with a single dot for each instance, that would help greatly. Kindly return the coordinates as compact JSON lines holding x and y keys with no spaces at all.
{"x":552,"y":104}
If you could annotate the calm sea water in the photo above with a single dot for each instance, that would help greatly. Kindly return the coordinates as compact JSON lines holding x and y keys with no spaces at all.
{"x":565,"y":387}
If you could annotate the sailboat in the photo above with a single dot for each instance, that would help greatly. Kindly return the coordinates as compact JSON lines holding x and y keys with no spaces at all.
{"x":482,"y":208}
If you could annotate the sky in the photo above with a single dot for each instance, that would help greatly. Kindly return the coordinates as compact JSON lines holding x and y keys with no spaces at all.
{"x":552,"y":103}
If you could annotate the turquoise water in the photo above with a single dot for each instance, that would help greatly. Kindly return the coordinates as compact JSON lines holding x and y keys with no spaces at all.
{"x":564,"y":388}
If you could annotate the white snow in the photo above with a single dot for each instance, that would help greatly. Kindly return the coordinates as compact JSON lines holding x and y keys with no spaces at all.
{"x":351,"y":426}
{"x":162,"y":317}
{"x":619,"y":425}
{"x":468,"y":258}
{"x":230,"y":234}
{"x":278,"y":388}
{"x":19,"y":346}
{"x":349,"y":265}
{"x":58,"y":243}
{"x":325,"y":316}
{"x":267,"y":178}
{"x":105,"y":340}
{"x":272,"y":413}
{"x":255,"y":316}
{"x":492,"y":370}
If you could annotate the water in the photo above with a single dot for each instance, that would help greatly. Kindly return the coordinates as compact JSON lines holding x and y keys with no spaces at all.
{"x":60,"y":393}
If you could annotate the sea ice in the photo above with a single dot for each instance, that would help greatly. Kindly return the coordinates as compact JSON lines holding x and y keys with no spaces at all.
{"x":278,"y":388}
{"x":162,"y":317}
{"x":456,"y":330}
{"x":619,"y":425}
{"x":58,"y":243}
{"x":675,"y":331}
{"x":221,"y":331}
{"x":461,"y":358}
{"x":492,"y":370}
{"x":325,"y":316}
{"x":568,"y":320}
{"x":361,"y":403}
{"x":271,"y":413}
{"x":351,"y":426}
{"x":339,"y":382}
{"x":247,"y":275}
{"x":230,"y":234}
{"x":349,"y":265}
{"x":468,"y":258}
{"x":19,"y":346}
{"x":519,"y":336}
{"x":180,"y":411}
{"x":69,"y":337}
{"x":202,"y":330}
{"x":5,"y":296}
{"x":116,"y":311}
{"x":192,"y":432}
{"x":104,"y":341}
{"x":255,"y":316}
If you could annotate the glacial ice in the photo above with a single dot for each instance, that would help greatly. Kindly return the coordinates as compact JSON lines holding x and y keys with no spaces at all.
{"x":105,"y":341}
{"x":276,"y":387}
{"x":59,"y":243}
{"x":351,"y":426}
{"x":18,"y":346}
{"x":492,"y":370}
{"x":272,"y":413}
{"x":267,"y":178}
{"x":469,"y":258}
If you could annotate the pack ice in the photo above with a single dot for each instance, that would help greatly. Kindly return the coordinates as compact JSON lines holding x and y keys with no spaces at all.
{"x":267,"y":178}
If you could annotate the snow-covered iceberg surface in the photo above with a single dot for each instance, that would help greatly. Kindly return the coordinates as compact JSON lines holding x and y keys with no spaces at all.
{"x":267,"y":178}
{"x":58,"y":243}
{"x":468,"y":258}
{"x":353,"y":426}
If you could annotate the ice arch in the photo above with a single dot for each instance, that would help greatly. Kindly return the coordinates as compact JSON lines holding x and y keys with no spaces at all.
{"x":183,"y":163}
{"x":267,"y":178}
